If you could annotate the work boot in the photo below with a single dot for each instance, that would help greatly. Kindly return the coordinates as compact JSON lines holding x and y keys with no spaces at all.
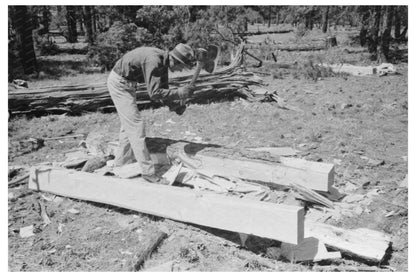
{"x":152,"y":178}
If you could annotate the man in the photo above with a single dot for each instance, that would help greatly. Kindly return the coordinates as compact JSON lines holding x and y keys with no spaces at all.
{"x":150,"y":66}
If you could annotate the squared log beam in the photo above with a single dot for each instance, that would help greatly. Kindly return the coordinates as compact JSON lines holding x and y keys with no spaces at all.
{"x":268,"y":220}
{"x":312,"y":175}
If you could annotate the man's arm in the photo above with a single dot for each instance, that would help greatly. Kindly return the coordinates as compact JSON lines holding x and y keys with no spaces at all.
{"x":157,"y":80}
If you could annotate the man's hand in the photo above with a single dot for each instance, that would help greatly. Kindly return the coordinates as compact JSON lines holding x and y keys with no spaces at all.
{"x":185,"y":91}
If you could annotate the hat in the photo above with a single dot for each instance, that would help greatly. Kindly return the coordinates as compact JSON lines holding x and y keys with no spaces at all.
{"x":183,"y":53}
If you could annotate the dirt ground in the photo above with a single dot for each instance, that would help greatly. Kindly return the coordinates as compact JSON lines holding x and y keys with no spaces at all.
{"x":360,"y":124}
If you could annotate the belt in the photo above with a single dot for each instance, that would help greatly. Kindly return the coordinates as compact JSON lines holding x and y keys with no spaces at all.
{"x":117,"y":71}
{"x":131,"y":83}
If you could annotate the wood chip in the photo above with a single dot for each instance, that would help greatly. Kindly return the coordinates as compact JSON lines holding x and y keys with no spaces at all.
{"x":26,"y":232}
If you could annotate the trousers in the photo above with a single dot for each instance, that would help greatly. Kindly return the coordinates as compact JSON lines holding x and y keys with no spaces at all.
{"x":132,"y":144}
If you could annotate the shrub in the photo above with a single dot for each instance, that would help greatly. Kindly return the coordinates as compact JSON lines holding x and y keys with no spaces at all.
{"x":119,"y":39}
{"x":47,"y":47}
{"x":301,"y":31}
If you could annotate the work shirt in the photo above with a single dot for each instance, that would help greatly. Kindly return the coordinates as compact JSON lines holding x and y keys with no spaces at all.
{"x":147,"y":65}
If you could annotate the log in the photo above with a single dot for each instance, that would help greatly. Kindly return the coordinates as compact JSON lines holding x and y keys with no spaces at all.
{"x":313,"y":175}
{"x":347,"y":268}
{"x":289,"y":48}
{"x":263,"y":219}
{"x":149,"y":248}
{"x":352,"y":69}
{"x":362,"y":243}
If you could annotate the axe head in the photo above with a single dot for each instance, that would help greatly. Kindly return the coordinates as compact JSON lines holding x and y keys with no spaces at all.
{"x":208,"y":57}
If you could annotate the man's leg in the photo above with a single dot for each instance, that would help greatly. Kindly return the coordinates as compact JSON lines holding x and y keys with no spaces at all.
{"x":124,"y":153}
{"x":124,"y":98}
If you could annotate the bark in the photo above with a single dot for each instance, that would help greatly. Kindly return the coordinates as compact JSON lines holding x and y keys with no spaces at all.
{"x":397,"y":23}
{"x":45,"y":19}
{"x":386,"y":36}
{"x":21,"y":22}
{"x":373,"y":39}
{"x":88,"y":24}
{"x":364,"y":27}
{"x":325,"y":21}
{"x":71,"y":24}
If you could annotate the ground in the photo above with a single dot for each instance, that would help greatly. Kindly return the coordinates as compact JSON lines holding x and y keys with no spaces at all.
{"x":345,"y":120}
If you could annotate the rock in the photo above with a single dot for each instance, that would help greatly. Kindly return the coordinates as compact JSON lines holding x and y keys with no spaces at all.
{"x":26,"y":232}
{"x":10,"y":196}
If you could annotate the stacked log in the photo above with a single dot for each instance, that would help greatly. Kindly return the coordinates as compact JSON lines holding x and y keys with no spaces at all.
{"x":227,"y":82}
{"x":288,"y":47}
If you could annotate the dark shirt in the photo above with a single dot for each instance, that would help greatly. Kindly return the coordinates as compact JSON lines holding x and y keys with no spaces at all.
{"x":147,"y":65}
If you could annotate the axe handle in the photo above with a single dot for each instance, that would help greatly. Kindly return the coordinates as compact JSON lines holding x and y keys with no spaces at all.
{"x":196,"y":74}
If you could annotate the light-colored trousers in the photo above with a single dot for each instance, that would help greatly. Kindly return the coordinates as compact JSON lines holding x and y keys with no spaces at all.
{"x":132,"y":145}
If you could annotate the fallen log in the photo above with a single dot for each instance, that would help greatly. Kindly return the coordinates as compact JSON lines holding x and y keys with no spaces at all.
{"x":149,"y":248}
{"x":348,"y":268}
{"x":289,"y":48}
{"x":365,"y":244}
{"x":263,"y":219}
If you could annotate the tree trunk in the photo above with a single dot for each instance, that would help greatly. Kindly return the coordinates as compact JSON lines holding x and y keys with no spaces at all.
{"x":325,"y":21}
{"x":71,"y":24}
{"x":94,"y":21}
{"x":386,"y":36}
{"x":88,"y":24}
{"x":373,"y":39}
{"x":45,"y":19}
{"x":397,"y":23}
{"x":269,"y":19}
{"x":364,"y":27}
{"x":80,"y":20}
{"x":21,"y":22}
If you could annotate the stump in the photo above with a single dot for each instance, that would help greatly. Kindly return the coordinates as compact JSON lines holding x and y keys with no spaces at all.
{"x":331,"y":41}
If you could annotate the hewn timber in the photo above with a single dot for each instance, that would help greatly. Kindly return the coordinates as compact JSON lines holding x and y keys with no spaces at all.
{"x":263,"y":219}
{"x":312,"y":175}
{"x":365,"y":244}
